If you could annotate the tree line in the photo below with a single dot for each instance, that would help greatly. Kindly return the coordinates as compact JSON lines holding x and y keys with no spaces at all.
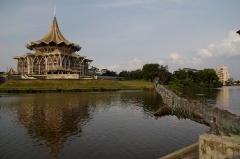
{"x":206,"y":78}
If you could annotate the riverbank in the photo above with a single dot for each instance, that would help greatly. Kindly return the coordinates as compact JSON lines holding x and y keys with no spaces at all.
{"x":64,"y":85}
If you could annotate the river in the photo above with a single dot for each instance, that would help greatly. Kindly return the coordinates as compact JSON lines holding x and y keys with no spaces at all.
{"x":92,"y":125}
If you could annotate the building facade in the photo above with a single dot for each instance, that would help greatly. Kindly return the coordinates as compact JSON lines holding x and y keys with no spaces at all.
{"x":222,"y":73}
{"x":53,"y":55}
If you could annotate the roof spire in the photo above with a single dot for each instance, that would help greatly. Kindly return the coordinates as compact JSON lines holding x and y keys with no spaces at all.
{"x":55,"y":11}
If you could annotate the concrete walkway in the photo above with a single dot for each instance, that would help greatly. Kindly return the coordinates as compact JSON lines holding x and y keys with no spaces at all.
{"x":189,"y":152}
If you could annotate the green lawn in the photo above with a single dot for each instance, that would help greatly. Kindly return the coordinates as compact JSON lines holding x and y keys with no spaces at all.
{"x":137,"y":84}
{"x":63,"y":84}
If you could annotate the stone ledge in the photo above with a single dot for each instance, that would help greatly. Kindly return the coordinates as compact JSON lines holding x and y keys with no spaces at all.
{"x":214,"y":147}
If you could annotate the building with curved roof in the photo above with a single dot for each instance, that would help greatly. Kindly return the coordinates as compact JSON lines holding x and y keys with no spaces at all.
{"x":53,"y":54}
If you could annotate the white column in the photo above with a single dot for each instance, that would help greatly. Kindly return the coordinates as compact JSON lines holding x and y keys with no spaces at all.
{"x":65,"y":63}
{"x":46,"y":63}
{"x":52,"y":63}
{"x":23,"y":65}
{"x":18,"y":66}
{"x":60,"y":61}
{"x":68,"y":62}
{"x":32,"y":67}
{"x":28,"y":65}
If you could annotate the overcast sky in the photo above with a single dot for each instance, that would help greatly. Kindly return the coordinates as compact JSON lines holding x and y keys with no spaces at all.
{"x":126,"y":34}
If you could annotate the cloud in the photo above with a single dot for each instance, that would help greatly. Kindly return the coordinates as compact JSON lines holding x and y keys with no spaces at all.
{"x":193,"y":61}
{"x":134,"y":61}
{"x":176,"y":58}
{"x":102,"y":67}
{"x":134,"y":64}
{"x":228,"y":48}
{"x":129,"y":66}
{"x":205,"y":53}
{"x":161,"y":62}
{"x":110,"y":68}
{"x":113,"y":67}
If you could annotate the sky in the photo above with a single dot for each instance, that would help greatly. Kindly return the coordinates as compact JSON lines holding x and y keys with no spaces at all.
{"x":126,"y":34}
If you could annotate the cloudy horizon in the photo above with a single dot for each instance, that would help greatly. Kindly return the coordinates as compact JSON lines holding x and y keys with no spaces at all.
{"x":125,"y":35}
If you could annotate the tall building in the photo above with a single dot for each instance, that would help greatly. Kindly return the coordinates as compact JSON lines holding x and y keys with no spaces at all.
{"x":53,"y":55}
{"x":222,"y":73}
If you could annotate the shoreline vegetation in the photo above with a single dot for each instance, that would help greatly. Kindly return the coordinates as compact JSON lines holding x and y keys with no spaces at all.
{"x":182,"y":78}
{"x":71,"y":85}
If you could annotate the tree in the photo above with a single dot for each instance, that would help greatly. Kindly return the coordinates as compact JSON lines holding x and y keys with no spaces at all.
{"x":94,"y":70}
{"x":207,"y":78}
{"x":238,"y":82}
{"x":230,"y":81}
{"x":135,"y":74}
{"x":164,"y":75}
{"x":109,"y":73}
{"x":123,"y":74}
{"x":210,"y":77}
{"x":182,"y":74}
{"x":150,"y":71}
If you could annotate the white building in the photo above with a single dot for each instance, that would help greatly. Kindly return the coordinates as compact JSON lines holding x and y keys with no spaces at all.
{"x":222,"y":73}
{"x":53,"y":56}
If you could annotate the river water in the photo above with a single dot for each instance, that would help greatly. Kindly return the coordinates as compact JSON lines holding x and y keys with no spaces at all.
{"x":100,"y":124}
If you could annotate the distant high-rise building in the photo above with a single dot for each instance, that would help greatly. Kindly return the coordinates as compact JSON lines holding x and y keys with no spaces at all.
{"x":222,"y":73}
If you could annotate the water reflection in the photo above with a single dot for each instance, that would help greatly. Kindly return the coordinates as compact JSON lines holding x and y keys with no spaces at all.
{"x":53,"y":118}
{"x":223,"y":98}
{"x":226,"y":97}
{"x":149,"y":100}
{"x":206,"y":96}
{"x":93,"y":125}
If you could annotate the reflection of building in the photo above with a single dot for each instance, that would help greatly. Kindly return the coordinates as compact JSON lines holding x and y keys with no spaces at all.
{"x":52,"y":119}
{"x":223,"y":98}
{"x":222,"y":73}
{"x":53,"y":54}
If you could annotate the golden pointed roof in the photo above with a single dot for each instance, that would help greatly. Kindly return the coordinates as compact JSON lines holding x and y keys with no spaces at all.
{"x":53,"y":36}
{"x":10,"y":72}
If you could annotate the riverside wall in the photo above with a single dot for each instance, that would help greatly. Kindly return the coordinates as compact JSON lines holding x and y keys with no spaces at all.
{"x":214,"y":147}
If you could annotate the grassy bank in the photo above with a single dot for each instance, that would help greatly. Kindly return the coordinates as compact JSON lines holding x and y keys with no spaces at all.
{"x":62,"y":85}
